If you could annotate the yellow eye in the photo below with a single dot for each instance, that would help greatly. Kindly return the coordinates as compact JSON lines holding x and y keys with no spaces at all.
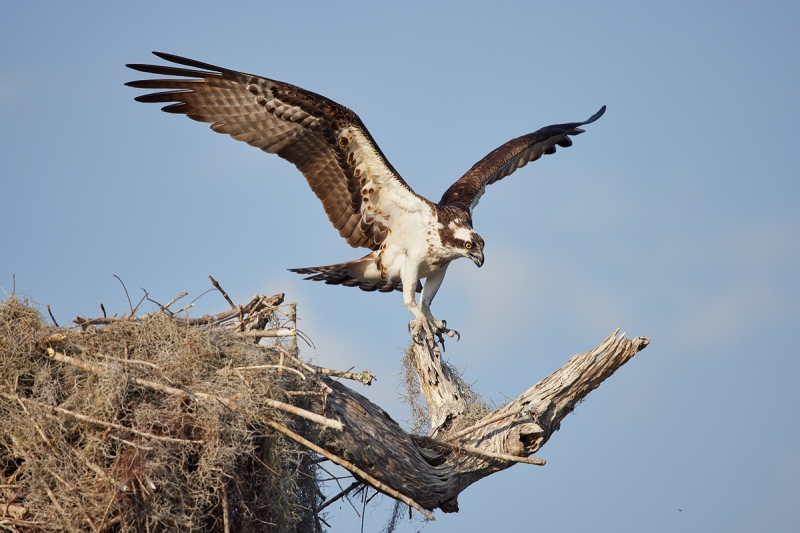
{"x":468,"y":245}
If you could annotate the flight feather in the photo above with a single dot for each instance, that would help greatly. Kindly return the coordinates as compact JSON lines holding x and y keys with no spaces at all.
{"x":359,"y":189}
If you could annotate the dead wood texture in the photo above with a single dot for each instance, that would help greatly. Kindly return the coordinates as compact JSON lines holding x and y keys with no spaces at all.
{"x":170,"y":388}
{"x":433,"y":470}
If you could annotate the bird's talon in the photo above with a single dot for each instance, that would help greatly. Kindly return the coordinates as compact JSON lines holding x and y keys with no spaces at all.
{"x":431,"y":333}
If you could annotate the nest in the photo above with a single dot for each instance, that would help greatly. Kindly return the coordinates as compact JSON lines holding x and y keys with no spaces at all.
{"x":155,"y":423}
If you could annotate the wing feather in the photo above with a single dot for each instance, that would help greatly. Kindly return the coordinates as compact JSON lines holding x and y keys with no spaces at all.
{"x":514,"y":154}
{"x":359,"y":189}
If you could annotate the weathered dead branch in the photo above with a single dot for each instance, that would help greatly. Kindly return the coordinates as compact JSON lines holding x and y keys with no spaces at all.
{"x":434,"y":470}
{"x":305,"y":403}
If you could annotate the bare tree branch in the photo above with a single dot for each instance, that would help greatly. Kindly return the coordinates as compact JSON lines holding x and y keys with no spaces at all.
{"x":433,"y":471}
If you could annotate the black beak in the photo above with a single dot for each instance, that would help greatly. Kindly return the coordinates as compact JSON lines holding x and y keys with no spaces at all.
{"x":477,"y":258}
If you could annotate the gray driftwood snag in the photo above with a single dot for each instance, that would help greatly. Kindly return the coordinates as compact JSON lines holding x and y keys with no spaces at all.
{"x":460,"y":449}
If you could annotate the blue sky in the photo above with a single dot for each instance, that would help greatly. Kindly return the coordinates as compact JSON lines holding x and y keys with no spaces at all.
{"x":676,"y":216}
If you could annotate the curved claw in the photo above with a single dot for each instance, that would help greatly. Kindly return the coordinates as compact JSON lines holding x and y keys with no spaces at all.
{"x":441,"y":327}
{"x":431,"y":331}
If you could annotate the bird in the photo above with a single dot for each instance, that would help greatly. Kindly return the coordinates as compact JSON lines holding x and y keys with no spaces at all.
{"x":410,"y":238}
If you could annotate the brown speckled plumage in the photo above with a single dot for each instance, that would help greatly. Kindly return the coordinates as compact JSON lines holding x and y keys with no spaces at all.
{"x":366,"y":200}
{"x":308,"y":130}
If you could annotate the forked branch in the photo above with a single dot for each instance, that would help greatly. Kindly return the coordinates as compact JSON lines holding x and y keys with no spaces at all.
{"x":434,"y":470}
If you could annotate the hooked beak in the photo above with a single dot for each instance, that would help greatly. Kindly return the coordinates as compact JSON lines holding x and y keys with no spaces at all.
{"x":477,"y":258}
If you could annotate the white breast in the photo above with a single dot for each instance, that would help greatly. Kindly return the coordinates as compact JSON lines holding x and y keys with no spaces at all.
{"x":412,"y":237}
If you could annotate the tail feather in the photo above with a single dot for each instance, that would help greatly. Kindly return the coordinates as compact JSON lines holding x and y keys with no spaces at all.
{"x":345,"y":274}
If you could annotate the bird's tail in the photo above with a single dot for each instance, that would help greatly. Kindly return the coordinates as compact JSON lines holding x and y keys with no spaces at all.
{"x":359,"y":273}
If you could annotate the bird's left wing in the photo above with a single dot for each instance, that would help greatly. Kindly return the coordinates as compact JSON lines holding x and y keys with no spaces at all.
{"x":359,"y":190}
{"x":514,"y":154}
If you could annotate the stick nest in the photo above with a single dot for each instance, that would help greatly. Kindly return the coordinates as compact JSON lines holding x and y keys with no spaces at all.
{"x":153,"y":423}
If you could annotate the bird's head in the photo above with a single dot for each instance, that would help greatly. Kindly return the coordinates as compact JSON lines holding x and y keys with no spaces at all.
{"x":469,"y":244}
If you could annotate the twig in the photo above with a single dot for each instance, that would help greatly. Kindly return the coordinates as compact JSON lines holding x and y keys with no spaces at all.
{"x":225,"y":525}
{"x":216,"y":285}
{"x":505,"y":456}
{"x":74,"y":361}
{"x":258,"y":367}
{"x":346,"y":496}
{"x":153,"y":385}
{"x":271,"y":333}
{"x":363,"y":508}
{"x":54,"y":499}
{"x":349,"y":466}
{"x":483,"y":423}
{"x":137,"y":445}
{"x":178,"y":297}
{"x":33,"y":525}
{"x":240,"y":308}
{"x":14,"y":511}
{"x":165,"y":308}
{"x":366,"y":377}
{"x":51,"y":316}
{"x":39,"y":430}
{"x":126,"y":292}
{"x":54,"y":338}
{"x":183,"y":309}
{"x":103,"y":309}
{"x":342,"y":494}
{"x":145,"y":297}
{"x":252,"y":306}
{"x":265,"y":465}
{"x":187,"y":328}
{"x":305,"y":338}
{"x":84,"y":322}
{"x":308,"y":415}
{"x":202,"y":321}
{"x":193,"y":301}
{"x":371,"y":497}
{"x":111,"y":500}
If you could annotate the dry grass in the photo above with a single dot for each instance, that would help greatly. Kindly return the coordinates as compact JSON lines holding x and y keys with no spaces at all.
{"x":474,"y":405}
{"x":101,"y":428}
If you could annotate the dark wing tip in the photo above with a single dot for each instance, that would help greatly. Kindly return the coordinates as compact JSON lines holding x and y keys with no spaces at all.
{"x":185,"y":61}
{"x":139,"y":66}
{"x":163,"y":55}
{"x":577,"y":131}
{"x":596,"y":115}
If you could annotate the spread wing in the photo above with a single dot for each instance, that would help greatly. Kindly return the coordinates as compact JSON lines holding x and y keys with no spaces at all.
{"x":514,"y":154}
{"x":327,"y":142}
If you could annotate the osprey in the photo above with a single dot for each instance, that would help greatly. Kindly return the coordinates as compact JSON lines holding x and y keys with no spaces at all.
{"x":366,"y":200}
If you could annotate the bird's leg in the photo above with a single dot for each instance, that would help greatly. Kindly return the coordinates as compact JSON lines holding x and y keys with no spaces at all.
{"x":432,"y":326}
{"x":432,"y":284}
{"x":421,"y":327}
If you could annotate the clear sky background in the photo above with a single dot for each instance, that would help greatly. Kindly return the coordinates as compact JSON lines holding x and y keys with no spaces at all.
{"x":676,"y":216}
